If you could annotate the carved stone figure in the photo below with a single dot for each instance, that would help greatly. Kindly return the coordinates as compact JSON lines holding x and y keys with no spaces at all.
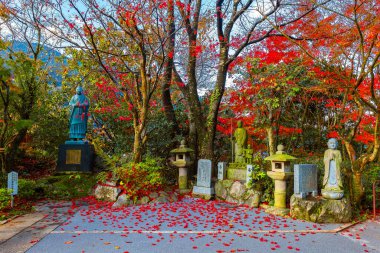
{"x":241,"y":137}
{"x":332,"y":180}
{"x":248,"y":153}
{"x":79,"y":115}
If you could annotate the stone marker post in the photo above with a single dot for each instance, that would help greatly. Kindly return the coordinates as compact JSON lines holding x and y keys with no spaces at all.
{"x":249,"y":171}
{"x":222,"y":166}
{"x":13,"y":185}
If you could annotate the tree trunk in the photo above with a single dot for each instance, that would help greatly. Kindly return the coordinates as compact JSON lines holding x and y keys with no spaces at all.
{"x":169,"y":63}
{"x":271,"y":140}
{"x":357,"y":187}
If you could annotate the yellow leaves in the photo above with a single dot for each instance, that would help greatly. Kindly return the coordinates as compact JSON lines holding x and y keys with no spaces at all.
{"x":4,"y":11}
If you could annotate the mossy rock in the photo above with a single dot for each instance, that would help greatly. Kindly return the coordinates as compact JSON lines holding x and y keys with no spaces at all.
{"x":227,"y":183}
{"x":220,"y":190}
{"x":321,"y":210}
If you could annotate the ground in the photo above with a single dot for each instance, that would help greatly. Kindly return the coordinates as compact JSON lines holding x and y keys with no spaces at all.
{"x":190,"y":225}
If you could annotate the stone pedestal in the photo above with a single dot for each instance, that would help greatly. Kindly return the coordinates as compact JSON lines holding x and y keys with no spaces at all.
{"x":320,"y":210}
{"x":237,"y":171}
{"x":332,"y":194}
{"x":279,"y":187}
{"x":75,"y":156}
{"x":182,"y":179}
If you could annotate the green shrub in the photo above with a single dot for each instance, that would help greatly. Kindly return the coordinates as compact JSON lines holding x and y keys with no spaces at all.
{"x":140,"y":179}
{"x":27,"y":189}
{"x":260,"y":180}
{"x":69,"y":186}
{"x":5,"y":197}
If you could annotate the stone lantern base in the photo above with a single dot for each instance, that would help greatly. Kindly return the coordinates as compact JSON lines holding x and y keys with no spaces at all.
{"x":278,"y":211}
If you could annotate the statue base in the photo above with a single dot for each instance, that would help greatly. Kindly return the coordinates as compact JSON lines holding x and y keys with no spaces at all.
{"x":75,"y":156}
{"x":237,"y":171}
{"x":203,"y":192}
{"x":320,"y":210}
{"x":332,"y":194}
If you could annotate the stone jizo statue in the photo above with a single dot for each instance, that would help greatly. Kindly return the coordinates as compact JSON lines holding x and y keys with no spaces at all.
{"x":241,"y":137}
{"x":332,"y":180}
{"x":79,"y":115}
{"x":248,"y":153}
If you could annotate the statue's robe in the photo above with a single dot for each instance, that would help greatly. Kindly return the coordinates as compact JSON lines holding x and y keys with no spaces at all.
{"x":241,"y":137}
{"x":79,"y":116}
{"x":332,"y":160}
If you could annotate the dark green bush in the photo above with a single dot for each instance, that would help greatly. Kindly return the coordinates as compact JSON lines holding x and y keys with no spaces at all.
{"x":5,"y":197}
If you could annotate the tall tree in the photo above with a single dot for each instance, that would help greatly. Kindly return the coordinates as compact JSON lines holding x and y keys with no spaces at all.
{"x":238,"y":25}
{"x":345,"y":39}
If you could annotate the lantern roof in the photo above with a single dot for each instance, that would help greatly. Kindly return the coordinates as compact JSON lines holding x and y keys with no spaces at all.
{"x":182,"y":149}
{"x":280,"y":155}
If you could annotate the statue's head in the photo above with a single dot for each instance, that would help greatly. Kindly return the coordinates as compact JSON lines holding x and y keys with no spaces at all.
{"x":332,"y":143}
{"x":239,"y":123}
{"x":79,"y":90}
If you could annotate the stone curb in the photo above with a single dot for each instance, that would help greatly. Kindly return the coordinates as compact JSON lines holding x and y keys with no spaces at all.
{"x":18,"y":224}
{"x":8,"y":220}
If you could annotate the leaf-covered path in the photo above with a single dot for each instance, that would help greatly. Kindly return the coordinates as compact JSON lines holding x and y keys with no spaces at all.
{"x":192,"y":225}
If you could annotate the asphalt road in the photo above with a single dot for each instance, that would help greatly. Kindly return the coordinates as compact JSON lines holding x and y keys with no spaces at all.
{"x":194,"y":225}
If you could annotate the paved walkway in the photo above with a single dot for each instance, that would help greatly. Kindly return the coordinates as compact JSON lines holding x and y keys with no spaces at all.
{"x":186,"y":226}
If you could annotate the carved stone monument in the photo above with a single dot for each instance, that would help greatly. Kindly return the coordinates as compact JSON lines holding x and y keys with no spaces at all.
{"x":204,"y":186}
{"x":77,"y":154}
{"x":332,"y":180}
{"x":305,"y":180}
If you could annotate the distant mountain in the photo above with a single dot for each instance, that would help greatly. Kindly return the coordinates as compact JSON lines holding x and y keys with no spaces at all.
{"x":48,"y":56}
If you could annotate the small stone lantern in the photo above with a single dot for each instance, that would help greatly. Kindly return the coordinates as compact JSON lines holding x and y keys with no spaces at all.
{"x":280,"y":172}
{"x":182,"y":161}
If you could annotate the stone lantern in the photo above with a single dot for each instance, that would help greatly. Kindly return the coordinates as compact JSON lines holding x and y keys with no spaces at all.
{"x":182,"y":161}
{"x":280,"y":172}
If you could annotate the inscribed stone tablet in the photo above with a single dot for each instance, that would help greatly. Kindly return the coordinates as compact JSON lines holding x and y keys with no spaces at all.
{"x":305,"y":179}
{"x":204,"y":173}
{"x":73,"y":156}
{"x":222,"y":166}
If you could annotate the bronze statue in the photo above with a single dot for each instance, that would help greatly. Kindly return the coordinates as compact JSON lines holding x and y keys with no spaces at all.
{"x":79,"y":115}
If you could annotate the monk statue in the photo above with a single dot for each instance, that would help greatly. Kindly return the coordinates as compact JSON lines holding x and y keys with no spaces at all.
{"x":332,"y":180}
{"x":240,"y":136}
{"x":79,"y":115}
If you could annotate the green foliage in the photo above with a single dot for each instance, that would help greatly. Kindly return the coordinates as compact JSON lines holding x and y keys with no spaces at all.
{"x":140,"y":179}
{"x":51,"y":123}
{"x":57,"y":187}
{"x":371,"y":175}
{"x":27,"y":189}
{"x":260,"y":180}
{"x":5,"y":197}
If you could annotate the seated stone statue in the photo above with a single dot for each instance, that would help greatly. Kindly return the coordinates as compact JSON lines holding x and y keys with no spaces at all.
{"x":241,"y":137}
{"x":332,"y":180}
{"x":79,"y":115}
